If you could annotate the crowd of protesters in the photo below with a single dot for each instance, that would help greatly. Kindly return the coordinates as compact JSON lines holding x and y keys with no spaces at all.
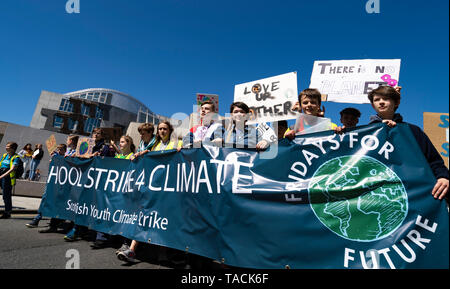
{"x":232,"y":132}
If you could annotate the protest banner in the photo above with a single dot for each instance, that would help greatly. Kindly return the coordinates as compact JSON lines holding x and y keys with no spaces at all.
{"x":84,"y":147}
{"x":435,"y":125}
{"x":270,"y":98}
{"x":350,"y":81}
{"x":357,"y":200}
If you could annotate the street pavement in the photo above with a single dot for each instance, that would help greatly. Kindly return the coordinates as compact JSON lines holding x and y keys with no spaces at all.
{"x":25,"y":248}
{"x":22,"y":204}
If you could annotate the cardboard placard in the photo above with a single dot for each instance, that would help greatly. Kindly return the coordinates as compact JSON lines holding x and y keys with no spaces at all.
{"x":202,"y":97}
{"x":84,"y":147}
{"x":51,"y":144}
{"x":350,"y":81}
{"x":270,"y":98}
{"x":436,"y":126}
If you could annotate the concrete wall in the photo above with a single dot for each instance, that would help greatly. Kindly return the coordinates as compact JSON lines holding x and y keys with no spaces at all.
{"x":3,"y":126}
{"x":47,"y":99}
{"x":29,"y":189}
{"x":23,"y":135}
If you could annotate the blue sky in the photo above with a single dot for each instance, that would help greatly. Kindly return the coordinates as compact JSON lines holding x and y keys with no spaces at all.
{"x":164,"y":52}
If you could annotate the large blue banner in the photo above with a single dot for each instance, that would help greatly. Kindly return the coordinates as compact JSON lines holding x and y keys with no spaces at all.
{"x":357,"y":200}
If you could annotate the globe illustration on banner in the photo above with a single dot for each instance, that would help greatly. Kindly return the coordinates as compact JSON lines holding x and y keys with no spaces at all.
{"x":84,"y":146}
{"x":358,"y":198}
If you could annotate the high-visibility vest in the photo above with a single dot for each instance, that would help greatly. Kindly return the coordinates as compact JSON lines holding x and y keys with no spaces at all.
{"x":12,"y":175}
{"x":170,"y":145}
{"x":122,"y":156}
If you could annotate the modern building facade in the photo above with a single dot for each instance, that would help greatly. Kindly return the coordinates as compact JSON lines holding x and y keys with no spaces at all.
{"x":81,"y":111}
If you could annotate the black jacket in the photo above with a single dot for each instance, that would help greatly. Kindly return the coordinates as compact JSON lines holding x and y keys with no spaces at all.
{"x":433,"y":157}
{"x":104,"y":149}
{"x":40,"y":154}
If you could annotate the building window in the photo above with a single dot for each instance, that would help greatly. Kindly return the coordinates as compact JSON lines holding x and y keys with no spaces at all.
{"x":84,"y":109}
{"x":83,"y":96}
{"x":90,"y":124}
{"x":66,"y":105}
{"x":58,"y":122}
{"x":89,"y":96}
{"x":145,"y":115}
{"x":98,"y":113}
{"x":142,"y":118}
{"x":73,"y":124}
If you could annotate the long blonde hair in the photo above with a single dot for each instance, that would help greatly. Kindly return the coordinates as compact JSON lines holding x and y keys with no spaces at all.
{"x":129,"y":141}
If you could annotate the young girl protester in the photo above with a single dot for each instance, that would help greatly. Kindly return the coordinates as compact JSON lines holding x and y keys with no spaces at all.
{"x":36,"y":158}
{"x":125,"y":151}
{"x":25,"y":154}
{"x":163,"y":142}
{"x":126,"y":147}
{"x":146,"y":143}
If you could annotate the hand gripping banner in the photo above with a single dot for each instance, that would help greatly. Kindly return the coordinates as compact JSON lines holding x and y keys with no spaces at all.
{"x":357,"y":200}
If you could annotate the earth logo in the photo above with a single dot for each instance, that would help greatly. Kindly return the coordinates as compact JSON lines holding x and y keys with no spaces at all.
{"x":84,"y":146}
{"x":358,"y":198}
